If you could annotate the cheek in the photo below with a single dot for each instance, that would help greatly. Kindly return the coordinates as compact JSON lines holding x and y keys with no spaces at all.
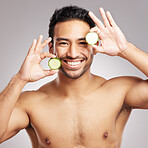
{"x":60,"y":52}
{"x":88,"y":52}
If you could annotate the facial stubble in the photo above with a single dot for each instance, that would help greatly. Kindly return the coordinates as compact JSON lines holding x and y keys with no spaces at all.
{"x":76,"y":76}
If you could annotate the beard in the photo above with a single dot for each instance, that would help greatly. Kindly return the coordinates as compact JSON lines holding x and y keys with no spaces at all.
{"x":73,"y":74}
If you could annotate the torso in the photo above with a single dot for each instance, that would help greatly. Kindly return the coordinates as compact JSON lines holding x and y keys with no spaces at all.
{"x":93,"y":120}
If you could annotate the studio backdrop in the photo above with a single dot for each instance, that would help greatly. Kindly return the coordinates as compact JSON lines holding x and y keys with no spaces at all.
{"x":23,"y":20}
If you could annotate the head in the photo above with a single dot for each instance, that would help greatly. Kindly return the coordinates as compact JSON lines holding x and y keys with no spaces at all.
{"x":68,"y":28}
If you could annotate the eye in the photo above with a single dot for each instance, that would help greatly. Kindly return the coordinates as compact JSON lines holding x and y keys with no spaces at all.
{"x":83,"y":43}
{"x":63,"y":43}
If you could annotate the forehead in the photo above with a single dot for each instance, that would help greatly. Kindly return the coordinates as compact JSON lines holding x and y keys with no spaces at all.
{"x":71,"y":29}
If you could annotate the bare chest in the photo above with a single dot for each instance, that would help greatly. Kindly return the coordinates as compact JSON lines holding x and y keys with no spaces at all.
{"x":70,"y":124}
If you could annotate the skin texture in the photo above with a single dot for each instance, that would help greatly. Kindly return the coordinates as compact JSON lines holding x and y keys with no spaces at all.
{"x":77,"y":109}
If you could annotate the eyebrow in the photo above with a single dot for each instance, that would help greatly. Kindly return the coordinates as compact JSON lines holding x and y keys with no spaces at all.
{"x":81,"y":39}
{"x":59,"y":39}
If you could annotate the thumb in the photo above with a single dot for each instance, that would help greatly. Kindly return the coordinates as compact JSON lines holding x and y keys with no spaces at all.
{"x":49,"y":72}
{"x":98,"y":48}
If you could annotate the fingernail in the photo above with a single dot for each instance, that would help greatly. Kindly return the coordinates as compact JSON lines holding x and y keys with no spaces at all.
{"x":55,"y":71}
{"x":90,"y":12}
{"x":35,"y":40}
{"x":94,"y":46}
{"x":41,"y":36}
{"x":91,"y":30}
{"x":50,"y":38}
{"x":101,"y":8}
{"x":53,"y":56}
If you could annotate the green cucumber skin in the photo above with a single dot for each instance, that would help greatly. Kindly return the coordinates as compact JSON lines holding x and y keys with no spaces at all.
{"x":54,"y":68}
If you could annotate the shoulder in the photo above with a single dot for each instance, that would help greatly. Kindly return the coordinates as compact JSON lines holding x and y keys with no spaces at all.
{"x":118,"y":88}
{"x":28,"y":98}
{"x":127,"y":80}
{"x":123,"y":81}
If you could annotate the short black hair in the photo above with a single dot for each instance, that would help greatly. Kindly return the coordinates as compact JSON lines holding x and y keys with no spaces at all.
{"x":68,"y":13}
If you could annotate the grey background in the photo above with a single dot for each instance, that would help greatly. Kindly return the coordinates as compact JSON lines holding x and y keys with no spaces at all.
{"x":23,"y":20}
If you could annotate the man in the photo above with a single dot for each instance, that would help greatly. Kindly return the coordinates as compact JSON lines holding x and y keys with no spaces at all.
{"x":77,"y":109}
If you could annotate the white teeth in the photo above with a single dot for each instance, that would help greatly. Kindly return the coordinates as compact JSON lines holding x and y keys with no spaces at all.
{"x":73,"y":63}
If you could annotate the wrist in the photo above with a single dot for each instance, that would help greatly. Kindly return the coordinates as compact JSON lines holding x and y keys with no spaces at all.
{"x":20,"y":79}
{"x":124,"y":52}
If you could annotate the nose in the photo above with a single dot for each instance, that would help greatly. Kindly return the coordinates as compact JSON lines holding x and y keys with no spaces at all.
{"x":73,"y":51}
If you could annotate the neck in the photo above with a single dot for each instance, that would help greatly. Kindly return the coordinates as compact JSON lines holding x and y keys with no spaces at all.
{"x":74,"y":87}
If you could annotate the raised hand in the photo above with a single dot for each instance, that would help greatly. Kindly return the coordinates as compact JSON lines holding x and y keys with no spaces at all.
{"x":113,"y":41}
{"x":31,"y":69}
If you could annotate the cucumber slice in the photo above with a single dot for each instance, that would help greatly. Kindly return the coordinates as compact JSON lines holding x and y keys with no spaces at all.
{"x":54,"y":63}
{"x":92,"y":38}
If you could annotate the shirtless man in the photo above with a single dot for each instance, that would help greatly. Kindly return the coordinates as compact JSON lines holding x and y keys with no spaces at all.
{"x":77,"y":109}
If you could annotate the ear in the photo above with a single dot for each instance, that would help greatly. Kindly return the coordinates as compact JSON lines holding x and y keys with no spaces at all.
{"x":50,"y":47}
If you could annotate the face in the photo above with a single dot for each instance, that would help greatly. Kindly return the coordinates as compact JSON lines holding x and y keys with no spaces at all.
{"x":72,"y":49}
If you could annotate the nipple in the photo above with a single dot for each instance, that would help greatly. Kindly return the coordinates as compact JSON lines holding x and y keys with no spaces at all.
{"x":105,"y":135}
{"x":47,"y":141}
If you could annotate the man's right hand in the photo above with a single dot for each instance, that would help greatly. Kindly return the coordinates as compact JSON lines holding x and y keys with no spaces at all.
{"x":31,"y":69}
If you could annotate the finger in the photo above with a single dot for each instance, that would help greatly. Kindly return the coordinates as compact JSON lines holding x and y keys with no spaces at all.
{"x":46,"y":42}
{"x":96,"y":20}
{"x":39,"y":43}
{"x":98,"y":48}
{"x":46,"y":54}
{"x":110,"y":18}
{"x":95,"y":29}
{"x":31,"y":49}
{"x":49,"y":72}
{"x":106,"y":22}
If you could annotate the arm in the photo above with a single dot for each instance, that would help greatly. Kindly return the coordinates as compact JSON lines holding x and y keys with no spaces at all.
{"x":12,"y":117}
{"x":137,"y":96}
{"x":114,"y":43}
{"x":8,"y":100}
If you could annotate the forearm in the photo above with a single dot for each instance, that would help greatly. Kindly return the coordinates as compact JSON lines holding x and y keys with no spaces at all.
{"x":137,"y":57}
{"x":8,"y":98}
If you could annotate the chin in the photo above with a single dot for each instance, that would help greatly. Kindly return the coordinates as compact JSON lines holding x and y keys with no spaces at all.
{"x":73,"y":74}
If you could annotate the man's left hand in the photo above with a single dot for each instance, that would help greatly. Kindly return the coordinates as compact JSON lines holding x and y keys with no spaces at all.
{"x":113,"y":41}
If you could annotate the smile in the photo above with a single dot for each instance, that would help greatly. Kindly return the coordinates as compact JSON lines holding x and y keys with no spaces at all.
{"x":73,"y":63}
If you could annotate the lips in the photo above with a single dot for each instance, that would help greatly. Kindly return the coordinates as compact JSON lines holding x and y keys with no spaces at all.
{"x":73,"y":63}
